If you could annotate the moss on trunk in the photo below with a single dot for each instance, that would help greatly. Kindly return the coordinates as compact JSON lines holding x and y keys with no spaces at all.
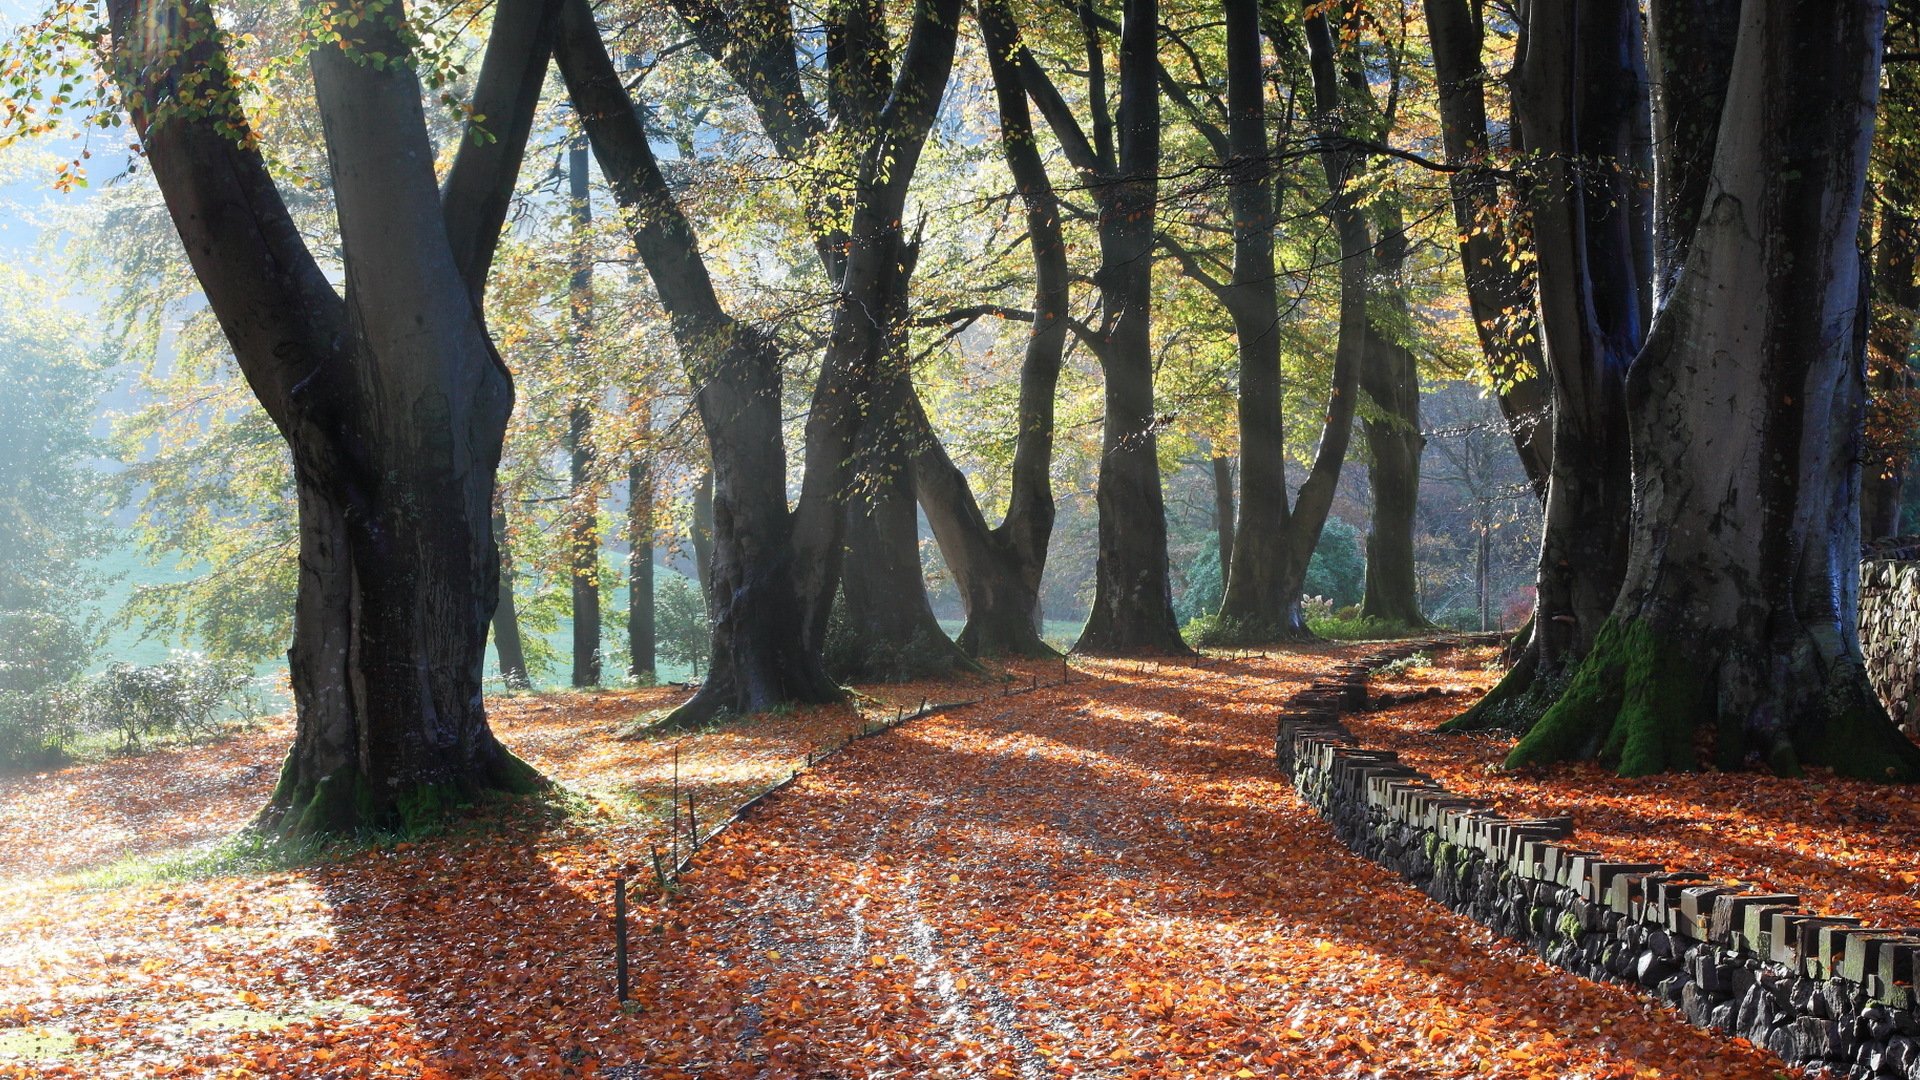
{"x":343,"y":802}
{"x":1633,"y":704}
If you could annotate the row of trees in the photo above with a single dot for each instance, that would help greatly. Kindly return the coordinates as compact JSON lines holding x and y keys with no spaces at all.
{"x":1300,"y":182}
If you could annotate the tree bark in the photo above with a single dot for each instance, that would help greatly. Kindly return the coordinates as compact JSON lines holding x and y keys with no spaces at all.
{"x":506,"y":617}
{"x":1581,"y":84}
{"x":761,"y":656}
{"x":894,"y":113}
{"x":1498,"y":295}
{"x":1391,"y":377}
{"x":1133,"y":590}
{"x":1261,"y":597}
{"x":392,"y":400}
{"x":583,"y":503}
{"x":998,"y":570}
{"x":1739,"y":607}
{"x":885,"y":629}
{"x":1223,"y":509}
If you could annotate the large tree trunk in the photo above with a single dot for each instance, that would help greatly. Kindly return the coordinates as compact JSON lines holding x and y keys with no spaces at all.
{"x":1260,"y":601}
{"x":1263,"y":600}
{"x":885,"y":629}
{"x":1391,"y":377}
{"x":761,"y":655}
{"x":998,"y":570}
{"x":1739,"y":607}
{"x":1133,"y":591}
{"x":507,"y":645}
{"x":1581,"y":85}
{"x":392,"y":401}
{"x":583,"y":503}
{"x":1498,"y":295}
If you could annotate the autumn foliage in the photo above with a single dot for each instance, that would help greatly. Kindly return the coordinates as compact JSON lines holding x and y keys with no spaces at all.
{"x":1104,"y":878}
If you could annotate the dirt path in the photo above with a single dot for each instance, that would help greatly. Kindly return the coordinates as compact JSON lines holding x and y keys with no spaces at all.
{"x":1108,"y":879}
{"x":1105,"y":879}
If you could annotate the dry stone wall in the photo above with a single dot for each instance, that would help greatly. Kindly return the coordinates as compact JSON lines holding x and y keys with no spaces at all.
{"x":1825,"y":992}
{"x":1890,"y":627}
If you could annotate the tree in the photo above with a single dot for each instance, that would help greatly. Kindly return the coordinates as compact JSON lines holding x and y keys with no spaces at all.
{"x":1499,"y":294}
{"x":583,"y":501}
{"x":391,"y":398}
{"x":762,"y":655}
{"x":1739,"y":606}
{"x":998,"y":569}
{"x":1581,"y":93}
{"x":1119,"y":165}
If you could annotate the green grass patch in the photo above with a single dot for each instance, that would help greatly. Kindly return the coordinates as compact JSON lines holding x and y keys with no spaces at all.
{"x":37,"y":1044}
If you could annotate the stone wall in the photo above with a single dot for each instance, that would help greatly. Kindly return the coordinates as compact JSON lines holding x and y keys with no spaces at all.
{"x":1822,"y":991}
{"x":1890,"y":627}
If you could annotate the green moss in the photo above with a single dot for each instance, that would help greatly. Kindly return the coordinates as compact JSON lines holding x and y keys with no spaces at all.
{"x":513,"y":775}
{"x":1859,"y":741}
{"x":340,"y":801}
{"x":1633,"y":703}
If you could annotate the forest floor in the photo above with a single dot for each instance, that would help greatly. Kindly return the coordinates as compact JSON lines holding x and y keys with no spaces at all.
{"x":1105,"y":878}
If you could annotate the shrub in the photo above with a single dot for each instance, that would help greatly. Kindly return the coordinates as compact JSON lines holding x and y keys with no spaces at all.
{"x":41,"y":656}
{"x":682,"y":633}
{"x":187,"y":695}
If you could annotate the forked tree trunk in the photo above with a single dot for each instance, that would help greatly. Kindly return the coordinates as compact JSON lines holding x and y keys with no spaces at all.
{"x":885,"y":629}
{"x":392,"y":401}
{"x":998,"y":570}
{"x":1260,"y":595}
{"x":761,"y":656}
{"x":1581,"y":86}
{"x":1739,"y":607}
{"x":1263,"y":599}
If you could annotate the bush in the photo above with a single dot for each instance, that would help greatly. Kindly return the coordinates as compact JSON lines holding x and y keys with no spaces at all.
{"x":1338,"y":569}
{"x":681,"y":632}
{"x":188,"y":695}
{"x":1205,"y":586}
{"x":41,"y":656}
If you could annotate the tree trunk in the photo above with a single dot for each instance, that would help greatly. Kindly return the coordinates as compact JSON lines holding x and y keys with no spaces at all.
{"x":392,"y":401}
{"x":1391,"y":377}
{"x":702,"y":535}
{"x":506,"y":618}
{"x":1739,"y":607}
{"x":761,"y":655}
{"x":885,"y":628}
{"x":998,"y":570}
{"x":1223,"y":509}
{"x":1264,"y":590}
{"x":1260,"y":601}
{"x":1133,"y":591}
{"x":1498,"y":295}
{"x":1580,"y":86}
{"x":583,"y":504}
{"x":640,"y":624}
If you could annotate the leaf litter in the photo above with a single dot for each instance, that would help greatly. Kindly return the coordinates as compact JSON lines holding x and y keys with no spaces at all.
{"x":1102,"y":879}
